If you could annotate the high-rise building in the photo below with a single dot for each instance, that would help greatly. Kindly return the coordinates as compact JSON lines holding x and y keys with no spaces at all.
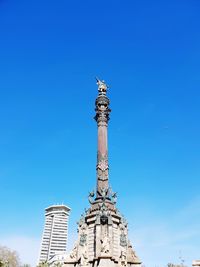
{"x":54,"y":239}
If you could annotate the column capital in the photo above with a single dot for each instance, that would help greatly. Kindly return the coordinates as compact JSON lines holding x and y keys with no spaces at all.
{"x":102,"y":110}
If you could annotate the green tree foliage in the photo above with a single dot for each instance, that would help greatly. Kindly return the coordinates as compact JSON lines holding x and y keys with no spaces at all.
{"x":43,"y":264}
{"x":176,"y":265}
{"x":8,"y":257}
{"x":58,"y":264}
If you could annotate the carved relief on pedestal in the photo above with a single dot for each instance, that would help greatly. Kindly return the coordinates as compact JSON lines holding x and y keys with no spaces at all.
{"x":131,"y":255}
{"x":123,"y":236}
{"x":105,"y":245}
{"x":113,"y":197}
{"x":84,"y":256}
{"x":83,"y":239}
{"x":103,"y":192}
{"x":83,"y":235}
{"x":123,"y":242}
{"x":73,"y":254}
{"x":81,"y":221}
{"x":91,"y":197}
{"x":123,"y":258}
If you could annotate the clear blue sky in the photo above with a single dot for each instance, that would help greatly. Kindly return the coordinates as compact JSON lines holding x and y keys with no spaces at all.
{"x":149,"y":54}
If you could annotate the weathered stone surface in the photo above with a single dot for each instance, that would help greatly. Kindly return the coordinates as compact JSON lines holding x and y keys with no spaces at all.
{"x":102,"y":230}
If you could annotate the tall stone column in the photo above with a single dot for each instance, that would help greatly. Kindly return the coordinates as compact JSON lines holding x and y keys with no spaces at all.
{"x":102,"y":117}
{"x":103,"y":233}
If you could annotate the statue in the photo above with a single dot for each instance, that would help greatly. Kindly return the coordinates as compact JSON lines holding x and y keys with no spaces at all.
{"x":105,"y":244}
{"x":123,"y":241}
{"x":83,"y":239}
{"x":90,"y":197}
{"x":132,"y":257}
{"x":113,"y":197}
{"x":73,"y":254}
{"x":103,"y":193}
{"x":82,"y":220}
{"x":102,"y":86}
{"x":84,"y":257}
{"x":83,"y":234}
{"x":123,"y":258}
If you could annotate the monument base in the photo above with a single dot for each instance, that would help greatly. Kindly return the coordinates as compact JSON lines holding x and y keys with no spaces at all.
{"x":102,"y":239}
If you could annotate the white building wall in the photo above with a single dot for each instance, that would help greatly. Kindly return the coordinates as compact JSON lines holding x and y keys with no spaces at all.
{"x":54,"y":238}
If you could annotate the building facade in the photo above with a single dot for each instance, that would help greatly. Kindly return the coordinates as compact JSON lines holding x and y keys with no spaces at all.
{"x":54,"y":238}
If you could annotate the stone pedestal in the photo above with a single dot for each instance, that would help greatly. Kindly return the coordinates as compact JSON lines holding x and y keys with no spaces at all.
{"x":102,"y":239}
{"x":106,"y":262}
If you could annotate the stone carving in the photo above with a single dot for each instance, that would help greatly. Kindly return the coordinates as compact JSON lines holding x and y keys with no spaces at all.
{"x":123,"y":258}
{"x":102,"y":168}
{"x":103,"y":164}
{"x":102,"y":86}
{"x":105,"y":244}
{"x":123,"y":235}
{"x":73,"y":254}
{"x":102,"y":215}
{"x":123,"y":220}
{"x":102,"y":208}
{"x":87,"y":211}
{"x":91,"y":197}
{"x":102,"y":110}
{"x":103,"y":193}
{"x":81,"y":221}
{"x":83,"y":239}
{"x":131,"y":255}
{"x":83,"y":235}
{"x":102,"y":175}
{"x":84,"y":257}
{"x":123,"y":240}
{"x":113,"y":196}
{"x":104,"y":219}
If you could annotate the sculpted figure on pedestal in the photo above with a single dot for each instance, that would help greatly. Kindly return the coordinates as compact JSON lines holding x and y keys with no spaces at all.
{"x":131,"y":255}
{"x":123,"y":236}
{"x":105,"y":244}
{"x":114,"y":197}
{"x":83,"y":235}
{"x":123,"y":258}
{"x":73,"y":254}
{"x":91,"y":197}
{"x":81,"y":221}
{"x":103,"y":192}
{"x":84,"y":256}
